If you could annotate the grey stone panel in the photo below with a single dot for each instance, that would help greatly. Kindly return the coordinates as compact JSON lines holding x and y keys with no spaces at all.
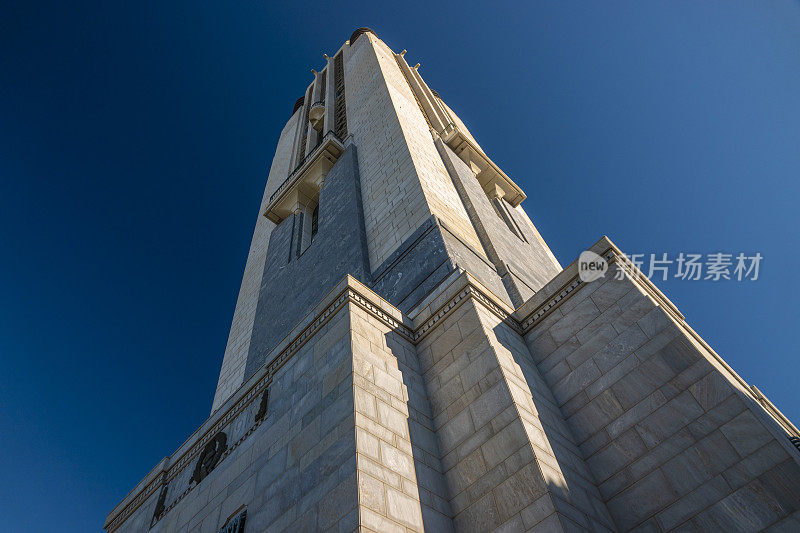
{"x":477,"y":264}
{"x":424,"y":260}
{"x":290,"y":288}
{"x":529,"y":262}
{"x":415,"y":268}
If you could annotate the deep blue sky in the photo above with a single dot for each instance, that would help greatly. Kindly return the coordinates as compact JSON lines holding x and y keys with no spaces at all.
{"x":136,"y":140}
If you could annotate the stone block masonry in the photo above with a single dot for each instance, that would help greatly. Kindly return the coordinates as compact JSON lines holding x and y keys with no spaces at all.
{"x":406,"y":182}
{"x":403,"y":178}
{"x":604,"y":413}
{"x":665,"y":427}
{"x":338,"y":249}
{"x":406,"y":354}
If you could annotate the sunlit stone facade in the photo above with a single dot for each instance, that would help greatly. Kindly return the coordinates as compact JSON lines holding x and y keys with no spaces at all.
{"x":407,"y":354}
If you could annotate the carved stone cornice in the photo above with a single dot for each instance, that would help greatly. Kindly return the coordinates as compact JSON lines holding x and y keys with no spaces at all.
{"x":469,"y":291}
{"x":461,"y":289}
{"x":546,"y":308}
{"x":384,"y":317}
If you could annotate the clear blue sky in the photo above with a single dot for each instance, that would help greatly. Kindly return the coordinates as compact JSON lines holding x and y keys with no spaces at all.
{"x":136,"y":140}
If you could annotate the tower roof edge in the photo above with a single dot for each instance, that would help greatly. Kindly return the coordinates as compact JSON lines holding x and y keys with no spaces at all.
{"x":361,"y":31}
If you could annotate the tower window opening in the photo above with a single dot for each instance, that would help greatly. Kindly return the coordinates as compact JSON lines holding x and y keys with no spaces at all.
{"x":320,"y":130}
{"x":308,"y":218}
{"x":314,"y":222}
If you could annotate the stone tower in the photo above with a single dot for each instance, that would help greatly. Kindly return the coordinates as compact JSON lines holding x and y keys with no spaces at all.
{"x":407,"y":354}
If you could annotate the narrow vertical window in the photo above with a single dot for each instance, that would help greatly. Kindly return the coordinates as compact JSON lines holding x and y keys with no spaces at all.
{"x":318,"y":109}
{"x":320,"y":132}
{"x":314,"y":221}
{"x":309,"y":224}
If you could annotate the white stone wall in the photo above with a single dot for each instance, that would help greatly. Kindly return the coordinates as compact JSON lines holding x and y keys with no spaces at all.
{"x":403,"y":179}
{"x":399,"y":472}
{"x":234,"y":361}
{"x":672,"y":438}
{"x":504,"y":460}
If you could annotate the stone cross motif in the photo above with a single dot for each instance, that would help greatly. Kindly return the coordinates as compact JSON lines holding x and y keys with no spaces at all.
{"x":210,"y":456}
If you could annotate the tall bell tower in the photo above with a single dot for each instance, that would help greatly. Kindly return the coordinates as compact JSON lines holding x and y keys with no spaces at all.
{"x":376,"y":177}
{"x":407,"y":354}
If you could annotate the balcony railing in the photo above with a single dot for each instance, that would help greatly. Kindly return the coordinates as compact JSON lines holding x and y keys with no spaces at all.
{"x":311,"y":155}
{"x":306,"y":179}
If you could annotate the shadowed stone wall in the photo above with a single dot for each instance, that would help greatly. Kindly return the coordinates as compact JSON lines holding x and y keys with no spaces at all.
{"x":495,"y":439}
{"x":296,"y":470}
{"x":231,"y":374}
{"x":291,"y":285}
{"x":428,"y":256}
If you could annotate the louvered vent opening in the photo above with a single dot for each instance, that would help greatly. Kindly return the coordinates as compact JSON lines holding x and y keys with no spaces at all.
{"x":340,"y":108}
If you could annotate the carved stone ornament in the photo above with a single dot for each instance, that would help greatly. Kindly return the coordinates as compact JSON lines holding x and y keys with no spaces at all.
{"x":210,"y":456}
